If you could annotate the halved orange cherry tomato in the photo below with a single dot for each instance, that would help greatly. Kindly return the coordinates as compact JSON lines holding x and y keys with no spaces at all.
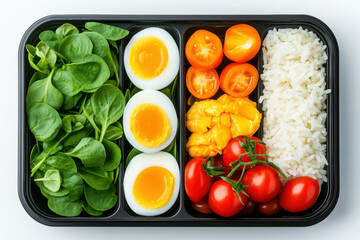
{"x":239,"y":79}
{"x":202,"y":84}
{"x":242,"y":43}
{"x":204,"y":50}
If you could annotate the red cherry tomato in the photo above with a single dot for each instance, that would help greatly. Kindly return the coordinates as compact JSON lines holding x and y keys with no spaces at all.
{"x":224,"y":201}
{"x":249,"y":208}
{"x":269,"y":208}
{"x":299,"y":194}
{"x":202,"y":206}
{"x":197,"y":182}
{"x":233,"y":150}
{"x":264,"y":184}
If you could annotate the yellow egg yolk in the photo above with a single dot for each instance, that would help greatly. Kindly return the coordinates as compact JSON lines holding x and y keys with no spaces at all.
{"x":149,"y":125}
{"x":148,"y":57}
{"x":153,"y":187}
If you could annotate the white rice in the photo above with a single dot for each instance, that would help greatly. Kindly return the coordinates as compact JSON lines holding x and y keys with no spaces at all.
{"x":294,"y":102}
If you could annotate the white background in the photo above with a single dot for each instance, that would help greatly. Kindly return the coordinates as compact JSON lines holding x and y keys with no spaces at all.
{"x":341,"y":16}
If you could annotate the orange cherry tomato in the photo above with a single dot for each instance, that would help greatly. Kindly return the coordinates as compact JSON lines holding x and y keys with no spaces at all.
{"x":242,"y":43}
{"x":204,"y":50}
{"x":239,"y":79}
{"x":202,"y":84}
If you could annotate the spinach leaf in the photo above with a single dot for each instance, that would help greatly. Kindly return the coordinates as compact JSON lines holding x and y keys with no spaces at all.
{"x":46,"y":55}
{"x":71,"y":101}
{"x":44,"y":122}
{"x":97,"y":178}
{"x":167,"y":92}
{"x":114,"y":44}
{"x":73,"y":112}
{"x":74,"y":46}
{"x":38,"y":174}
{"x":66,"y":83}
{"x":173,"y":89}
{"x":116,"y":67}
{"x":45,"y":194}
{"x":49,"y":147}
{"x":33,"y":63}
{"x":109,"y":32}
{"x":62,"y":191}
{"x":37,"y":76}
{"x":90,"y":151}
{"x":91,"y":210}
{"x":127,"y":95}
{"x":64,"y":206}
{"x":74,"y":138}
{"x":134,"y":91}
{"x":41,"y":158}
{"x":102,"y":200}
{"x":108,"y":104}
{"x":75,"y":185}
{"x":66,"y":29}
{"x":116,"y":176}
{"x":172,"y":148}
{"x":102,"y":49}
{"x":113,"y":156}
{"x":35,"y":161}
{"x":131,"y":155}
{"x":114,"y":132}
{"x":51,"y":39}
{"x":87,"y":75}
{"x":63,"y":163}
{"x":51,"y":180}
{"x":111,"y":82}
{"x":88,"y":112}
{"x":43,"y":91}
{"x":73,"y":123}
{"x":34,"y":152}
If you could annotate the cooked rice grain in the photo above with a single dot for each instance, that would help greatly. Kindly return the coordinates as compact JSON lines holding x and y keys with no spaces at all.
{"x":294,"y":102}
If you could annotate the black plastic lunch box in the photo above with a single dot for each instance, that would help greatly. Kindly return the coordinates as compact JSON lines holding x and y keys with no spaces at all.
{"x":181,"y":28}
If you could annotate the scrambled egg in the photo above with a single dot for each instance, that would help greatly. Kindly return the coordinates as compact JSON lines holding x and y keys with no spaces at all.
{"x":214,"y":123}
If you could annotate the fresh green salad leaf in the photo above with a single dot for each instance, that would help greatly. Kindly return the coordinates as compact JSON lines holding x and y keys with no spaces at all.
{"x":101,"y":200}
{"x":96,"y":178}
{"x":113,"y":156}
{"x":44,"y":122}
{"x":51,"y":180}
{"x":90,"y":151}
{"x":73,"y":107}
{"x":64,"y":206}
{"x":109,"y":32}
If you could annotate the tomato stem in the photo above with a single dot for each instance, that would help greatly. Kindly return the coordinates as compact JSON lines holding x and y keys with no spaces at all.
{"x":249,"y":147}
{"x":209,"y":169}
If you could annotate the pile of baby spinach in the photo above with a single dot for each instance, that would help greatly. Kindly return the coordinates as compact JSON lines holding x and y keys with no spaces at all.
{"x":73,"y":106}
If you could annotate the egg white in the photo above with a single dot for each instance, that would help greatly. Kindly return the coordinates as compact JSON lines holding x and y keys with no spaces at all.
{"x":140,"y":163}
{"x":171,"y":69}
{"x":156,"y":98}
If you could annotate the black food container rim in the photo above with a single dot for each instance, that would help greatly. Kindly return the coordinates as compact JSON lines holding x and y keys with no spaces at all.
{"x":182,"y":218}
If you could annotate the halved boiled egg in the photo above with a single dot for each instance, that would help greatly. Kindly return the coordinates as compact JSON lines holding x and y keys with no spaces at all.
{"x":151,"y":59}
{"x":150,"y":121}
{"x":152,"y":183}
